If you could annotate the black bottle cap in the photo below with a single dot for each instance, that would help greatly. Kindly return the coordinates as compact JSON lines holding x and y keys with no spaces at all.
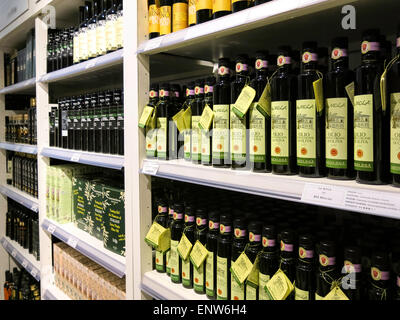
{"x":310,"y":46}
{"x":225,"y":62}
{"x":380,"y":260}
{"x":189,"y":210}
{"x":352,"y":254}
{"x":371,"y":35}
{"x":165,"y":86}
{"x":199,"y":83}
{"x":178,"y":207}
{"x":201,"y":213}
{"x":306,"y":241}
{"x":287,"y":236}
{"x":240,"y":223}
{"x":327,"y":248}
{"x":242,"y":58}
{"x":225,"y":219}
{"x":262,"y":54}
{"x":213,"y":215}
{"x":269,"y":231}
{"x":210,"y":81}
{"x":340,"y":42}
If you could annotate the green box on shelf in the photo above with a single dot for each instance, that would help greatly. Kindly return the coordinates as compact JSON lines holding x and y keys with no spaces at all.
{"x":114,"y":219}
{"x":98,"y":211}
{"x":79,"y":202}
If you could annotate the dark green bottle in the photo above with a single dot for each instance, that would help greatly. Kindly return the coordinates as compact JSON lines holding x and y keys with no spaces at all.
{"x":187,"y":266}
{"x":379,"y":280}
{"x":254,"y":248}
{"x":327,"y":271}
{"x":164,"y":116}
{"x":269,"y":259}
{"x":305,"y":273}
{"x":288,"y":258}
{"x":197,"y":109}
{"x":151,"y":134}
{"x":187,"y":138}
{"x":98,"y":143}
{"x":238,"y":245}
{"x":175,"y":261}
{"x":352,"y":284}
{"x":200,"y":234}
{"x":206,"y":141}
{"x":161,"y":219}
{"x":211,"y":260}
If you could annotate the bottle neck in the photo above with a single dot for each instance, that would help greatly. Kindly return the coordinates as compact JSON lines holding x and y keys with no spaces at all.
{"x":310,"y":66}
{"x":261,"y":73}
{"x":340,"y":64}
{"x":371,"y":57}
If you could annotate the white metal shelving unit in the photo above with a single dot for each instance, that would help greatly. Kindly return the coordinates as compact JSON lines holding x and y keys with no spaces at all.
{"x":21,"y":197}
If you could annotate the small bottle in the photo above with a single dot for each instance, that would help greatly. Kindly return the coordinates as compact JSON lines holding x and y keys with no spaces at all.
{"x":92,"y":35}
{"x":165,"y":17}
{"x":379,"y":281}
{"x":179,"y":15}
{"x":177,"y":226}
{"x":221,"y":8}
{"x":238,"y":245}
{"x":111,"y":31}
{"x":204,"y":11}
{"x":239,"y":5}
{"x":206,"y":140}
{"x":221,"y":107}
{"x":190,"y":99}
{"x":253,"y":250}
{"x":352,"y":284}
{"x":268,"y":259}
{"x":211,"y":259}
{"x":327,"y":271}
{"x":224,"y":249}
{"x":305,"y":281}
{"x":161,"y":219}
{"x":151,"y":134}
{"x":197,"y":108}
{"x":192,"y":13}
{"x":187,"y":266}
{"x":200,"y":234}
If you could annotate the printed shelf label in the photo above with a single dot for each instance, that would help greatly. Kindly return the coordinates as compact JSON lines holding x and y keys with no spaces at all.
{"x":75,"y":157}
{"x":72,"y":242}
{"x":323,"y":194}
{"x":51,"y":228}
{"x":24,"y":263}
{"x":150,"y":168}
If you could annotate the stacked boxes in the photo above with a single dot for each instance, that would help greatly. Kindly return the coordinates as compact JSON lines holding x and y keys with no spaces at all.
{"x":82,"y":279}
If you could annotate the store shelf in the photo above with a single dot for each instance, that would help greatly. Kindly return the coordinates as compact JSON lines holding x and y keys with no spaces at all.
{"x":54,"y":293}
{"x":346,"y":195}
{"x":87,"y":245}
{"x":93,"y":159}
{"x":159,"y":286}
{"x":98,"y":64}
{"x":17,"y":147}
{"x":27,"y":260}
{"x":21,"y":197}
{"x":23,"y":87}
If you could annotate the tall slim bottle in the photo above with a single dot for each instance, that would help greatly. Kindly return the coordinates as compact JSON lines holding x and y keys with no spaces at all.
{"x":255,"y":230}
{"x":92,"y":33}
{"x":175,"y":261}
{"x":268,"y":259}
{"x":259,"y":125}
{"x":164,"y":117}
{"x":151,"y":134}
{"x":120,"y":25}
{"x":187,"y":266}
{"x":288,"y":258}
{"x":161,"y":219}
{"x":83,"y":33}
{"x":238,"y":245}
{"x":283,"y":115}
{"x":339,"y":115}
{"x":238,"y":127}
{"x":113,"y":120}
{"x":192,"y":13}
{"x":310,"y":120}
{"x":77,"y":57}
{"x":101,"y":42}
{"x":221,"y":8}
{"x":221,"y":108}
{"x":90,"y":120}
{"x":77,"y":123}
{"x":197,"y":108}
{"x":204,"y":11}
{"x":179,"y":15}
{"x":327,"y":269}
{"x":98,"y":142}
{"x":200,"y":234}
{"x":305,"y":273}
{"x":206,"y":140}
{"x":71,"y":104}
{"x":352,"y":286}
{"x":121,"y":123}
{"x":105,"y":121}
{"x":394,"y":91}
{"x":371,"y":121}
{"x":224,"y":249}
{"x":190,"y":98}
{"x":111,"y":23}
{"x":165,"y":17}
{"x":211,"y":260}
{"x":154,"y":19}
{"x":379,"y":281}
{"x":84,"y":121}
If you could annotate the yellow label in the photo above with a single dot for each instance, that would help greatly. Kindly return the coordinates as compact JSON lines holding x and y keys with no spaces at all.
{"x":210,"y":274}
{"x":222,"y":278}
{"x":301,"y":294}
{"x":187,"y":118}
{"x":318,"y":297}
{"x":186,"y":271}
{"x":238,"y":133}
{"x":145,"y":117}
{"x":364,"y":133}
{"x":111,"y":33}
{"x":350,"y":92}
{"x":264,"y":104}
{"x":173,"y":260}
{"x":165,"y":20}
{"x":253,"y":278}
{"x":395,"y":133}
{"x":263,"y":280}
{"x":257,"y":135}
{"x":220,"y":138}
{"x":184,"y":247}
{"x":244,"y":101}
{"x":162,"y":138}
{"x":206,"y":118}
{"x":251,"y":292}
{"x":159,"y":260}
{"x":319,"y":95}
{"x":198,"y":277}
{"x":241,"y":268}
{"x":196,"y":138}
{"x":198,"y":254}
{"x":306,"y":133}
{"x":204,"y":5}
{"x":222,"y":5}
{"x":154,"y":18}
{"x":83,"y":44}
{"x":336,"y":294}
{"x":237,"y":290}
{"x":76,"y":49}
{"x":119,"y":27}
{"x":336,"y":133}
{"x":101,"y":43}
{"x":192,"y":12}
{"x":159,"y":237}
{"x":280,"y":132}
{"x":179,"y":121}
{"x":205,"y":146}
{"x":179,"y":16}
{"x":279,"y":287}
{"x":92,"y":45}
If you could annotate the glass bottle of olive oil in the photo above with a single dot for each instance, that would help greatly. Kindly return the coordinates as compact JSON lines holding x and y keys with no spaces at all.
{"x":255,"y":229}
{"x":268,"y":259}
{"x":190,"y":99}
{"x":200,"y":234}
{"x":206,"y":140}
{"x":164,"y":122}
{"x":151,"y":133}
{"x":197,"y":109}
{"x":211,"y":260}
{"x":189,"y":229}
{"x":175,"y":261}
{"x":238,"y":245}
{"x":161,"y":219}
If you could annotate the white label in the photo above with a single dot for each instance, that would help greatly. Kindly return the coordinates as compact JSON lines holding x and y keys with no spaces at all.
{"x":150,"y":168}
{"x":24,"y":263}
{"x":72,"y":242}
{"x":51,"y":228}
{"x":323,"y":194}
{"x":14,"y":253}
{"x":75,"y":157}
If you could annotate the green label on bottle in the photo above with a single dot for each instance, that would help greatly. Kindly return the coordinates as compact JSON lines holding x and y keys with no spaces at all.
{"x":280,"y":132}
{"x":306,"y":133}
{"x":196,"y":138}
{"x":263,"y":280}
{"x":222,"y":278}
{"x":237,"y":290}
{"x":238,"y":136}
{"x":186,"y":272}
{"x":205,"y":146}
{"x":251,"y":292}
{"x":159,"y":261}
{"x":167,"y":266}
{"x":256,"y":134}
{"x":174,"y":261}
{"x":187,"y":144}
{"x":210,"y":274}
{"x":198,"y":278}
{"x":162,"y":138}
{"x":336,"y":133}
{"x":395,"y":133}
{"x":364,"y":133}
{"x":151,"y":143}
{"x":301,"y":294}
{"x":220,"y":138}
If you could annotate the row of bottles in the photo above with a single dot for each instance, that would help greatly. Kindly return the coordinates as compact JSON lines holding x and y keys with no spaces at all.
{"x":313,"y":122}
{"x":314,"y":247}
{"x":22,"y":172}
{"x":91,"y":122}
{"x":166,"y":16}
{"x":22,"y":128}
{"x":20,"y":285}
{"x":22,"y":226}
{"x":100,"y":31}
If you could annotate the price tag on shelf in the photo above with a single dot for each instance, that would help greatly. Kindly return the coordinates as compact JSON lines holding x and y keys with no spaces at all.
{"x":14,"y":253}
{"x":72,"y":242}
{"x":34,"y":207}
{"x":34,"y":273}
{"x":323,"y":194}
{"x":51,"y":228}
{"x":3,"y":242}
{"x":24,"y":264}
{"x":150,"y":168}
{"x":75,"y":157}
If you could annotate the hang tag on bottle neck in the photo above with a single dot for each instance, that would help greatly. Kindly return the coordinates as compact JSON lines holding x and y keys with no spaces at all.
{"x":198,"y":254}
{"x":207,"y":118}
{"x":264,"y":104}
{"x":279,"y":286}
{"x":184,"y":247}
{"x":241,"y":268}
{"x":350,"y":92}
{"x":146,"y":116}
{"x":336,"y":294}
{"x":244,"y":101}
{"x":179,"y":122}
{"x":319,"y":93}
{"x":158,"y":237}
